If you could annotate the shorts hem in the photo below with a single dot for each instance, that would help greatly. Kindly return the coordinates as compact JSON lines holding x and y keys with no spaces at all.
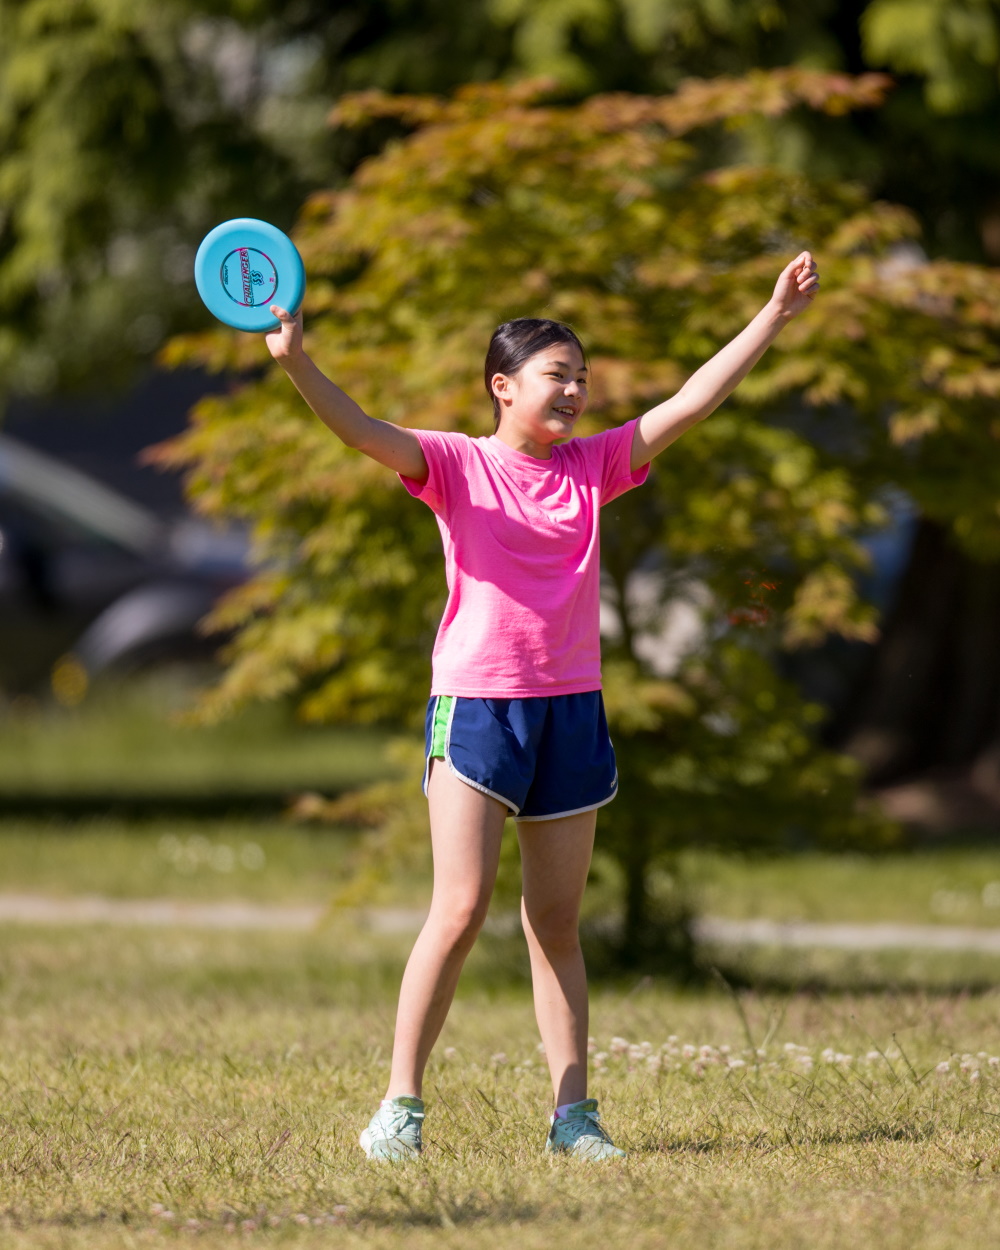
{"x":476,"y":785}
{"x":576,"y":811}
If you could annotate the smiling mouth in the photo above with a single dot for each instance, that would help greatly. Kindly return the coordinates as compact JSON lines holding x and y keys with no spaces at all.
{"x":565,"y":412}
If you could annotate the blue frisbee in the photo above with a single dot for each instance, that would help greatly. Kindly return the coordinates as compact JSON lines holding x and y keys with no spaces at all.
{"x":244,"y":266}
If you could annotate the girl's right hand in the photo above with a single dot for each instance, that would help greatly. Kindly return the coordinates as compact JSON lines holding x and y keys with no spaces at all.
{"x":285,"y":341}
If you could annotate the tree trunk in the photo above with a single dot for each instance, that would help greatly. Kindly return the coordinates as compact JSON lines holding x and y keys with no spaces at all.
{"x":636,"y":917}
{"x":930,"y":694}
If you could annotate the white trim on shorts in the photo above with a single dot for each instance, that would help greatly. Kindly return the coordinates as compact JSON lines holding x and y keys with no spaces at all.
{"x":576,"y":811}
{"x":511,"y":807}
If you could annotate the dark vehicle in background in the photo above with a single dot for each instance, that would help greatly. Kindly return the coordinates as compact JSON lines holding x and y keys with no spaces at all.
{"x":86,"y":572}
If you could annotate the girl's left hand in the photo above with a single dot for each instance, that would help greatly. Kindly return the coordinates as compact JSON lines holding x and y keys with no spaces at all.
{"x":797,"y":285}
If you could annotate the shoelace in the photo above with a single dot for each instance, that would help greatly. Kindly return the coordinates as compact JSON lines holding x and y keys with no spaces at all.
{"x":589,"y":1124}
{"x":397,"y":1121}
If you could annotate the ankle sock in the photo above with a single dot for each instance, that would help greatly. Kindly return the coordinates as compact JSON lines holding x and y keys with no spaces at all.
{"x":562,"y":1111}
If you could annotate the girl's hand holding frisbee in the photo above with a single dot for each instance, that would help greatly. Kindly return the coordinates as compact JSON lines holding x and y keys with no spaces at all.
{"x":797,"y":286}
{"x":285,"y":341}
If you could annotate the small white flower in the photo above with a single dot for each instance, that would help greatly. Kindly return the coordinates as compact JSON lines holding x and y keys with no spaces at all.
{"x":974,"y":1075}
{"x":450,"y":1053}
{"x":654,"y":1063}
{"x":591,"y":1045}
{"x":736,"y":1063}
{"x":252,"y":856}
{"x":993,"y":1061}
{"x":499,"y":1058}
{"x":619,"y":1045}
{"x":688,"y":1051}
{"x":600,"y":1059}
{"x":725,"y":1050}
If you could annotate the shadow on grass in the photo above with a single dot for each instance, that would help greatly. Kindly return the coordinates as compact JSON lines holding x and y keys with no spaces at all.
{"x":862,"y":1136}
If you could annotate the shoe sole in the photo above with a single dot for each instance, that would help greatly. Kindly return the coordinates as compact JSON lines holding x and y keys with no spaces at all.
{"x":592,"y":1154}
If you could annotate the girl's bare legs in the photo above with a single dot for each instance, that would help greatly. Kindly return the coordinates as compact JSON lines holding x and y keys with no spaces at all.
{"x":555,"y":860}
{"x":466,"y":829}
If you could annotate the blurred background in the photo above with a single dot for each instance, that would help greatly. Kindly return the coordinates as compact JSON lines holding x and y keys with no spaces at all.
{"x":128,"y":131}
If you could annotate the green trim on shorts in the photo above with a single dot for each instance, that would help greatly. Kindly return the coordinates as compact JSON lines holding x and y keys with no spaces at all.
{"x":439,"y":732}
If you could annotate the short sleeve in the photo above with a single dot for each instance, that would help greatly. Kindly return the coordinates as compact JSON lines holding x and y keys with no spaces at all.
{"x":616,"y":471}
{"x":447,"y":456}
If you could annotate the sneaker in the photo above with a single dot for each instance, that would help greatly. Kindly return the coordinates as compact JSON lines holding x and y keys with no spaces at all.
{"x":394,"y":1130}
{"x":580,"y":1133}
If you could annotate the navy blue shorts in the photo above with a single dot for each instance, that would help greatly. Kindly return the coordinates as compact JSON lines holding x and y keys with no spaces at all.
{"x":544,"y":757}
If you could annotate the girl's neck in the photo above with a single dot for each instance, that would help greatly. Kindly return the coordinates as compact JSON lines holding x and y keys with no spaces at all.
{"x":517,"y":440}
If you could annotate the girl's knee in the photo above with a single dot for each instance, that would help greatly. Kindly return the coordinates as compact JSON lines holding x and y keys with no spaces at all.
{"x":459,"y":922}
{"x":554,"y":928}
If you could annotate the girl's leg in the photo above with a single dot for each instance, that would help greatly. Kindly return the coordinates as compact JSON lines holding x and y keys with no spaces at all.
{"x":555,"y":860}
{"x":466,"y":829}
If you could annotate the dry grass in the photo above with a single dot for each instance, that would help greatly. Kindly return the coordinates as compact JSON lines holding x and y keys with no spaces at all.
{"x":206,"y":1087}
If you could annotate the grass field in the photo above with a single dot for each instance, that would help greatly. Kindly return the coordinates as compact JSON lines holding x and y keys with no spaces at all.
{"x":168,"y":1085}
{"x":178,"y":1085}
{"x":126,"y":740}
{"x":272,"y":860}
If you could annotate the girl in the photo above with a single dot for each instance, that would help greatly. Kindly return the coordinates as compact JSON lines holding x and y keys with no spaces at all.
{"x":515,"y":723}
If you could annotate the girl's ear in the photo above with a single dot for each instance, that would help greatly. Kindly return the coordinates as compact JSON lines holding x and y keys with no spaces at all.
{"x":501,"y":385}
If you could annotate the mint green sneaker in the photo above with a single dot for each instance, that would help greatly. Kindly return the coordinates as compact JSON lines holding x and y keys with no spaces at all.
{"x":394,"y":1130}
{"x":580,"y":1133}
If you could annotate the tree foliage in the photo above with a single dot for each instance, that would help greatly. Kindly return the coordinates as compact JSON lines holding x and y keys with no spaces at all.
{"x":127,"y":130}
{"x":499,"y":203}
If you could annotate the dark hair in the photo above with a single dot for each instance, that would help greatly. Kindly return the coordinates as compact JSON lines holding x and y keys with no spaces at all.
{"x":517,"y":341}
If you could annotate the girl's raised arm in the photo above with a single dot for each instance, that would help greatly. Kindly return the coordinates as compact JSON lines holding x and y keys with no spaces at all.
{"x":389,"y":444}
{"x":705,"y":390}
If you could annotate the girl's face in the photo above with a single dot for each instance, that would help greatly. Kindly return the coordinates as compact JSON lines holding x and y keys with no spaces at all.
{"x":542,"y":402}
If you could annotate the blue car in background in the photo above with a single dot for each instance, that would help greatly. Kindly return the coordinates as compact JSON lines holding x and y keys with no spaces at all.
{"x":93,"y":580}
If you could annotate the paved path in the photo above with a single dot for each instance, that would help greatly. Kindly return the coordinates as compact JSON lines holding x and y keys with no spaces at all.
{"x":847,"y":937}
{"x":94,"y":909}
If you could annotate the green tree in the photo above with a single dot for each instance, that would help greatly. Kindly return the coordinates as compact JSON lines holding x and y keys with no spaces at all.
{"x":497,"y":204}
{"x":129,"y":129}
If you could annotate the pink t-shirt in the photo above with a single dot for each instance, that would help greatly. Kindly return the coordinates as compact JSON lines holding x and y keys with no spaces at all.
{"x":522,"y":560}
